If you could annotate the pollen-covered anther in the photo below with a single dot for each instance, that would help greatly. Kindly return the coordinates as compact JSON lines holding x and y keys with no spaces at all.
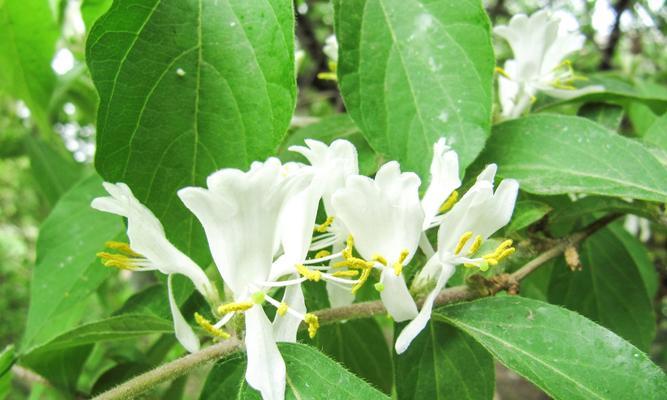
{"x":234,"y":307}
{"x":311,"y":275}
{"x":504,"y":250}
{"x":313,"y":324}
{"x":462,"y":242}
{"x":380,"y":259}
{"x":345,"y":274}
{"x":119,"y":261}
{"x":398,"y":265}
{"x":122,"y":247}
{"x":322,"y":254}
{"x":501,"y":71}
{"x":282,"y":309}
{"x":208,"y":327}
{"x":323,"y":227}
{"x":475,"y":245}
{"x":449,"y":203}
{"x":349,"y":245}
{"x":362,"y":279}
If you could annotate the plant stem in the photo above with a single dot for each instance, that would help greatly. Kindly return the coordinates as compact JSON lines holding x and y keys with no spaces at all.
{"x":181,"y":366}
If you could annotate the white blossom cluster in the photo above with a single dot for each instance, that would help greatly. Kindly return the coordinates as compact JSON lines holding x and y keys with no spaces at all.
{"x":261,"y":228}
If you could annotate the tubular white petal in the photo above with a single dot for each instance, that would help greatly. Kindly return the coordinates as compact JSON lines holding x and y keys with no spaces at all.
{"x":266,"y":370}
{"x":339,"y":296}
{"x":286,"y":326}
{"x":396,"y":297}
{"x":184,"y":333}
{"x":565,"y":94}
{"x":417,"y":325}
{"x":444,"y":180}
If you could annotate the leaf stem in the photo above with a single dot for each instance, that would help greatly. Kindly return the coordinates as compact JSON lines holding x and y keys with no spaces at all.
{"x":181,"y":366}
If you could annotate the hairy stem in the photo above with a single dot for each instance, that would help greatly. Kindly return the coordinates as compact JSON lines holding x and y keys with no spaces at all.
{"x":181,"y":366}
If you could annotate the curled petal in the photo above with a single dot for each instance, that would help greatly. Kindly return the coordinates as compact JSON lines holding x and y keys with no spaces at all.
{"x":184,"y":333}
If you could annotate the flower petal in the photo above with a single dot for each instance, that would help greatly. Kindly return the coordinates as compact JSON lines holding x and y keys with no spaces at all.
{"x":286,"y":326}
{"x":396,"y":297}
{"x":444,"y":180}
{"x":417,"y":325}
{"x":184,"y":333}
{"x":266,"y":370}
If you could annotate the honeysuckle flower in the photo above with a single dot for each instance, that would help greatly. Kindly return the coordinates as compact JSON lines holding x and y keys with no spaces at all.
{"x":477,"y":216}
{"x":638,"y":226}
{"x":330,"y":49}
{"x":148,"y":250}
{"x":540,"y":44}
{"x":384,"y":216}
{"x":331,"y":166}
{"x":240,"y":212}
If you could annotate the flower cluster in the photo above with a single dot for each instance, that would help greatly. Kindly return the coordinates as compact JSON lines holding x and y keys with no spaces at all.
{"x":261,"y":228}
{"x":540,"y":44}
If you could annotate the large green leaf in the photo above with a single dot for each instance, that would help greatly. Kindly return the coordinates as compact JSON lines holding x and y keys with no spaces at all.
{"x":7,"y":359}
{"x":608,"y":115}
{"x":608,"y":289}
{"x":310,"y":375}
{"x":66,"y":270}
{"x":657,"y":132}
{"x":565,"y":354}
{"x":444,"y":363}
{"x":361,"y":347}
{"x":411,"y":71}
{"x":640,"y":257}
{"x":187,"y":88}
{"x":555,"y":154}
{"x":29,"y":33}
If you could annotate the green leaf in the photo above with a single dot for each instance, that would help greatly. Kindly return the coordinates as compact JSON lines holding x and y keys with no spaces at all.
{"x":62,"y":368}
{"x":55,"y":171}
{"x":328,"y":129}
{"x":114,"y":328}
{"x":91,"y":10}
{"x":310,"y":375}
{"x":590,"y":205}
{"x":187,"y":88}
{"x":607,"y":115}
{"x":444,"y":363}
{"x":361,"y":347}
{"x":526,"y":213}
{"x":412,"y":71}
{"x":29,"y":33}
{"x":7,"y":359}
{"x":608,"y":289}
{"x":555,"y":154}
{"x":657,"y":132}
{"x":66,"y":270}
{"x":563,"y":353}
{"x":640,"y":257}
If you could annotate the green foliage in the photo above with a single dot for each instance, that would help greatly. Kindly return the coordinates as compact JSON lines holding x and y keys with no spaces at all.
{"x":550,"y":154}
{"x":199,"y":85}
{"x":331,"y":381}
{"x":411,"y":71}
{"x":563,"y":353}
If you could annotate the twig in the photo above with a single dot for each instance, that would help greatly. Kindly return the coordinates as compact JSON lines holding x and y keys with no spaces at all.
{"x":509,"y":282}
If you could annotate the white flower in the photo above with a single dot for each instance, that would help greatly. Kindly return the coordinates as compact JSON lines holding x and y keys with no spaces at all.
{"x":240,"y":212}
{"x":331,"y":48}
{"x":385,"y":217}
{"x":148,"y":250}
{"x":479,"y":214}
{"x":638,"y":226}
{"x":540,"y":44}
{"x":331,"y":166}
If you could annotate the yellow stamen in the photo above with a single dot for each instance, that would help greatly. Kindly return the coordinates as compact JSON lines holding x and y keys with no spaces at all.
{"x":313,"y":324}
{"x":449,"y":203}
{"x":502,"y":251}
{"x":123,"y":248}
{"x":324,"y":226}
{"x":233,"y":307}
{"x":506,"y":253}
{"x":475,"y":245}
{"x":362,"y":279}
{"x":398,"y":265}
{"x":311,"y":275}
{"x":354,"y":262}
{"x":380,"y":259}
{"x":322,"y":253}
{"x":349,"y":245}
{"x":346,"y":274}
{"x":208,"y":327}
{"x":282,"y":309}
{"x":327,"y":76}
{"x":502,"y":72}
{"x":462,"y":242}
{"x":117,"y":261}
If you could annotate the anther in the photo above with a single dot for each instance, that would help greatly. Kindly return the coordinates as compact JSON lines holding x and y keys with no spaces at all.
{"x":362,"y":279}
{"x":116,"y":260}
{"x":123,"y":248}
{"x":322,"y":254}
{"x":502,"y":72}
{"x":311,"y":275}
{"x":208,"y":327}
{"x":462,"y":242}
{"x":282,"y":309}
{"x":475,"y":245}
{"x":380,"y":259}
{"x":345,"y":274}
{"x":449,"y":203}
{"x":233,"y":307}
{"x":322,"y":228}
{"x":398,"y":265}
{"x":313,"y":324}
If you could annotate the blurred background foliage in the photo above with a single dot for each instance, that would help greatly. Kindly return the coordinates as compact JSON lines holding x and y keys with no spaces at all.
{"x":48,"y":104}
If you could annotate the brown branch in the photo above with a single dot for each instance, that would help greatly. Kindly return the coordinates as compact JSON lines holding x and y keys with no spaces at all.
{"x":488,"y":287}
